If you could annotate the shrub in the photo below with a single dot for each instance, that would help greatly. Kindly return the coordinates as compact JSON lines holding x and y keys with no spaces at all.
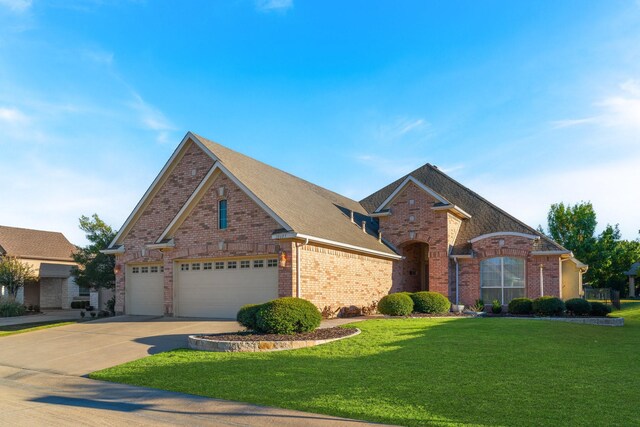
{"x":599,"y":309}
{"x":578,"y":306}
{"x":548,"y":306}
{"x":93,"y":314}
{"x":521,"y":306}
{"x":478,"y":306}
{"x":11,"y":308}
{"x":496,"y":307}
{"x":36,"y":308}
{"x":247,"y":316}
{"x":287,"y":315}
{"x":399,"y":304}
{"x":430,"y":302}
{"x":110,"y":305}
{"x":82,"y":314}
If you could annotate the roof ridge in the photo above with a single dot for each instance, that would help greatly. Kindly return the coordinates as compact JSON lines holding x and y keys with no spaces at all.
{"x":502,"y":211}
{"x":280,"y":170}
{"x":32,"y":229}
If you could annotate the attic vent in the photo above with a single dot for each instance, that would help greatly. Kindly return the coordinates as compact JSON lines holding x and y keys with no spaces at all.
{"x":352,"y":220}
{"x":364,"y":226}
{"x":412,"y":202}
{"x":221,"y":191}
{"x":193,"y":172}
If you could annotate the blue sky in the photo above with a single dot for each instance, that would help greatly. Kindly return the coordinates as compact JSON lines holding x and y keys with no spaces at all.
{"x":527,"y":103}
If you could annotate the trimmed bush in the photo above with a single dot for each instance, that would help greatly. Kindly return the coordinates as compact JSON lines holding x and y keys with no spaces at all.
{"x":521,"y":306}
{"x":496,"y":307}
{"x":399,"y":304}
{"x":430,"y":302}
{"x":10,"y":308}
{"x":287,"y":316}
{"x":578,"y":306}
{"x":548,"y":306}
{"x":599,"y":309}
{"x":79,"y":304}
{"x":247,"y":316}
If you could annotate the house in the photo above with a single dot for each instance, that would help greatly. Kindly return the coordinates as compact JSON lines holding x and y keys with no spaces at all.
{"x":49,"y":253}
{"x":217,"y":229}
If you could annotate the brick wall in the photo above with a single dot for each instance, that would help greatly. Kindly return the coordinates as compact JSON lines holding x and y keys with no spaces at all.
{"x":336,"y":278}
{"x":429,"y":226}
{"x":512,"y":246}
{"x":170,"y":198}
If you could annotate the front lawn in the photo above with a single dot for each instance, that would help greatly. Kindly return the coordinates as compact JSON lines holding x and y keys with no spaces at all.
{"x":487,"y":371}
{"x":30,"y":327}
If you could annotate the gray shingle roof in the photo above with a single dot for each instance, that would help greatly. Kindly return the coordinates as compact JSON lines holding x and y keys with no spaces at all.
{"x":305,"y":207}
{"x":634,"y":270}
{"x":35,"y":244}
{"x":485,"y":216}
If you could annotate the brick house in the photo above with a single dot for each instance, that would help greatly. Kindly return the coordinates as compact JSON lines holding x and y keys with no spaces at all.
{"x":217,"y":229}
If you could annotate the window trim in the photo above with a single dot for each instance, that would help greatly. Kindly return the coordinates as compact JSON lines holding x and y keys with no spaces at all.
{"x":502,"y":287}
{"x":223,"y":221}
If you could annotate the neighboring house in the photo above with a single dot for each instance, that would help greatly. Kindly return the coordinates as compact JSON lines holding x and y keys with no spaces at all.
{"x":49,"y":253}
{"x":217,"y":229}
{"x":634,"y":271}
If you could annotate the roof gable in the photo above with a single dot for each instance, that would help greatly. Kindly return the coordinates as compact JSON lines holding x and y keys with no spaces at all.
{"x":485,"y":217}
{"x":35,"y":244}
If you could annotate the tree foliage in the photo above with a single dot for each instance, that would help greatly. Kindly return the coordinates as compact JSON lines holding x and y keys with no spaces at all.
{"x":14,"y":274}
{"x":607,"y":255}
{"x":95,"y":269}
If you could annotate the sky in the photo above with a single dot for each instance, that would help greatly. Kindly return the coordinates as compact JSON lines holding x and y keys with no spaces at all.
{"x":528,"y":103}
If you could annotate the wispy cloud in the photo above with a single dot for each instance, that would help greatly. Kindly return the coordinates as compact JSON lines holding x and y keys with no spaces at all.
{"x":400,"y":128}
{"x":273,"y":5}
{"x":152,"y":118}
{"x":98,"y":56}
{"x":18,"y":6}
{"x":12,"y":116}
{"x":621,"y":110}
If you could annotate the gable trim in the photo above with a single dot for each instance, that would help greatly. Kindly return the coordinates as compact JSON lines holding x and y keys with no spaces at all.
{"x":198,"y":193}
{"x":504,"y":233}
{"x":404,"y":183}
{"x":126,"y":227}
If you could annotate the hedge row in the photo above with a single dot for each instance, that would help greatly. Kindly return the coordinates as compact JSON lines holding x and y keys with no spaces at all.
{"x":552,"y":306}
{"x":405,"y":303}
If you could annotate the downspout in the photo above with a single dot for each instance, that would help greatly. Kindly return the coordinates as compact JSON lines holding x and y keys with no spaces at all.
{"x":298,"y":285}
{"x":541,"y":280}
{"x":457,"y":273}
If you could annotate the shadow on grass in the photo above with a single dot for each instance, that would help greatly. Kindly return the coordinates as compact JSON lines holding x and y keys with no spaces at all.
{"x":424,"y":372}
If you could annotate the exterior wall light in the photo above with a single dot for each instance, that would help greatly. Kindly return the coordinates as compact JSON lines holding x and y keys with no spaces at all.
{"x":116,"y":269}
{"x":283,"y":259}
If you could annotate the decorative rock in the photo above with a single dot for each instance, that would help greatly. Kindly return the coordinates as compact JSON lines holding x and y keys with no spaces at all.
{"x":198,"y":343}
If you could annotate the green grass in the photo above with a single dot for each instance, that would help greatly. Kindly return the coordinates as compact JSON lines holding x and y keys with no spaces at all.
{"x":487,"y":371}
{"x":30,"y":327}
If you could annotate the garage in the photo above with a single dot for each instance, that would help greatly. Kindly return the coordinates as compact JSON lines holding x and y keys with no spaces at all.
{"x":218,"y":288}
{"x":145,"y":289}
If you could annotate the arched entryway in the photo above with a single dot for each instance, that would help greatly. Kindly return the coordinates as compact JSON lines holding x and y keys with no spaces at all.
{"x":415,"y":266}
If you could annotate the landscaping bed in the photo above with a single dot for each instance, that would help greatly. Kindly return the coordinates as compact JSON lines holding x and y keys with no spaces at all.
{"x":318,"y":334}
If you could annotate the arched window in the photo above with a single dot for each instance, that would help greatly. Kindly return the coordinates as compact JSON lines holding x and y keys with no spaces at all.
{"x":502,"y":278}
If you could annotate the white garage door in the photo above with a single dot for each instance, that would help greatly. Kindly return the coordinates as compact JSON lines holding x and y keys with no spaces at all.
{"x":218,"y":288}
{"x":145,"y":289}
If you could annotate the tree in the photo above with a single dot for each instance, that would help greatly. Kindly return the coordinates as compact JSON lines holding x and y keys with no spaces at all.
{"x":95,"y":269}
{"x":14,"y":274}
{"x":574,"y":227}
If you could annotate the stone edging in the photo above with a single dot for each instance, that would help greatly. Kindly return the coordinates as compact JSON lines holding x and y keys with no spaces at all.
{"x":197,"y":343}
{"x":598,"y":321}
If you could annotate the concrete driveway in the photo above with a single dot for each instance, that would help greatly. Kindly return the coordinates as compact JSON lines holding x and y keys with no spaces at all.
{"x":42,"y":383}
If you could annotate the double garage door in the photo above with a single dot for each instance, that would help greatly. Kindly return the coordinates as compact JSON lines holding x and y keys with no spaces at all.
{"x":203,"y":288}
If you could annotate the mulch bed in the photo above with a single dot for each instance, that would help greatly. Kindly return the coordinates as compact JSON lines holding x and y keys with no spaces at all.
{"x":318,"y":334}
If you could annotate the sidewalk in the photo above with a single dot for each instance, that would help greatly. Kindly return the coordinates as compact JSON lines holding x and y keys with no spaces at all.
{"x":45,"y":316}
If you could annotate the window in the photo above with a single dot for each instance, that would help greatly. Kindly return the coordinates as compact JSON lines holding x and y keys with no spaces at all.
{"x":162,"y":269}
{"x":231,"y":265}
{"x":501,"y":278}
{"x":154,"y":269}
{"x":144,"y":270}
{"x":184,"y":267}
{"x":206,"y":266}
{"x":195,"y":266}
{"x":222,"y":214}
{"x":84,"y":291}
{"x":272,"y":263}
{"x":258,"y":263}
{"x":135,"y":270}
{"x":245,"y":264}
{"x":219,"y":265}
